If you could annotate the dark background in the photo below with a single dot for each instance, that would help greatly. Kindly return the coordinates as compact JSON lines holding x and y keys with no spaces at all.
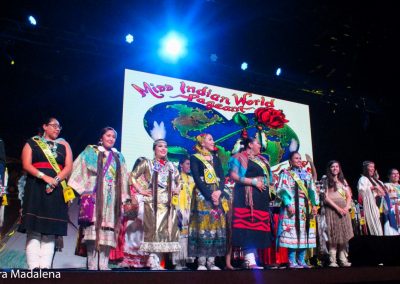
{"x":339,"y":58}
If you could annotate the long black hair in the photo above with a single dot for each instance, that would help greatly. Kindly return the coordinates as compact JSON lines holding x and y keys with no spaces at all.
{"x":297,"y":205}
{"x":99,"y":192}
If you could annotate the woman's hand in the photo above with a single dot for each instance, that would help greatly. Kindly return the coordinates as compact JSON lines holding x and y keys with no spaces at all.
{"x":215,"y":197}
{"x":380,"y":191}
{"x":260,"y":185}
{"x":341,"y":211}
{"x":308,"y":158}
{"x":52,"y":182}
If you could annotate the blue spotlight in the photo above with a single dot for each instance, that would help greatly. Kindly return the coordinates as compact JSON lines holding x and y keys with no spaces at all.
{"x":213,"y":57}
{"x":244,"y":66}
{"x":173,"y":47}
{"x":32,"y":20}
{"x":129,"y":38}
{"x":278,"y":71}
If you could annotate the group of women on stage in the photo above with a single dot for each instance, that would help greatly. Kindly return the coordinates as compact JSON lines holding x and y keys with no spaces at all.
{"x":191,"y":214}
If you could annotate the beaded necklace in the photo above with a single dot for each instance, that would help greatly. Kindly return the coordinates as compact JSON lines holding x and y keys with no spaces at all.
{"x":52,"y":146}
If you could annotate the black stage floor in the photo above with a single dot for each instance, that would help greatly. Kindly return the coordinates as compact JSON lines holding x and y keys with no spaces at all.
{"x":295,"y":276}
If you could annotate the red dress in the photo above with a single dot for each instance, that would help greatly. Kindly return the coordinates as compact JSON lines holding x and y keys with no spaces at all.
{"x":273,"y":255}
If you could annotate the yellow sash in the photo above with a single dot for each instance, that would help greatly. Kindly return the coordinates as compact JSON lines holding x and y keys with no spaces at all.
{"x":225,"y":205}
{"x":300,"y":184}
{"x":342,"y":193}
{"x":67,"y":191}
{"x":186,"y":192}
{"x":259,"y":162}
{"x":175,"y":200}
{"x":313,"y":223}
{"x":352,"y":213}
{"x":4,"y":201}
{"x":3,"y":193}
{"x":210,"y":177}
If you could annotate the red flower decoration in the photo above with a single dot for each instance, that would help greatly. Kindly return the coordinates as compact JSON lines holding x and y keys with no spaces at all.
{"x":271,"y":117}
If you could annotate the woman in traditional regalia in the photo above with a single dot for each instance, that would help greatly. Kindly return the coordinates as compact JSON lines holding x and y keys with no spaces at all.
{"x":185,"y":199}
{"x":370,"y":195}
{"x":158,"y":181}
{"x":296,"y":189}
{"x":373,"y":195}
{"x":47,"y":160}
{"x":99,"y":175}
{"x":207,"y":229}
{"x":251,"y":226}
{"x":128,"y":253}
{"x":393,"y":189}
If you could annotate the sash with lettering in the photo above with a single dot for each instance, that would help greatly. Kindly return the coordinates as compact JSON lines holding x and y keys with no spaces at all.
{"x":67,"y":191}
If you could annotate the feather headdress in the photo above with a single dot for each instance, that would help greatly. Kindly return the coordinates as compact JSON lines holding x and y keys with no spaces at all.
{"x":158,"y":132}
{"x":262,"y":138}
{"x":239,"y":146}
{"x":293,"y":145}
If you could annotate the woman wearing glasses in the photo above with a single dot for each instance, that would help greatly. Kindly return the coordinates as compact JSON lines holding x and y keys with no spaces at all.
{"x":48,"y":161}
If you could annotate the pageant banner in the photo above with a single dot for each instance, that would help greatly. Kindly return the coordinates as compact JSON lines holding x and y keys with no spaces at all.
{"x":187,"y":108}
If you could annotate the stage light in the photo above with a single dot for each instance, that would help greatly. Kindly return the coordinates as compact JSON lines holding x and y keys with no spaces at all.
{"x":12,"y":62}
{"x":173,"y":47}
{"x":213,"y":57}
{"x":129,"y":38}
{"x":244,"y":66}
{"x":32,"y":20}
{"x":278,"y":71}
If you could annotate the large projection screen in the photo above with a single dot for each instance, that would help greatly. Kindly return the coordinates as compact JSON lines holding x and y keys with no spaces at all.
{"x":189,"y":108}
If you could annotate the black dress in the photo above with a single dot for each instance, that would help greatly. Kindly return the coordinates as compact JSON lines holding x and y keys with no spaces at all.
{"x":207,"y":227}
{"x":42,"y":212}
{"x":251,"y":231}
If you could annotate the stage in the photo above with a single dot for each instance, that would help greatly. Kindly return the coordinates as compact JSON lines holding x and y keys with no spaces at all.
{"x":366,"y":253}
{"x":321,"y":275}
